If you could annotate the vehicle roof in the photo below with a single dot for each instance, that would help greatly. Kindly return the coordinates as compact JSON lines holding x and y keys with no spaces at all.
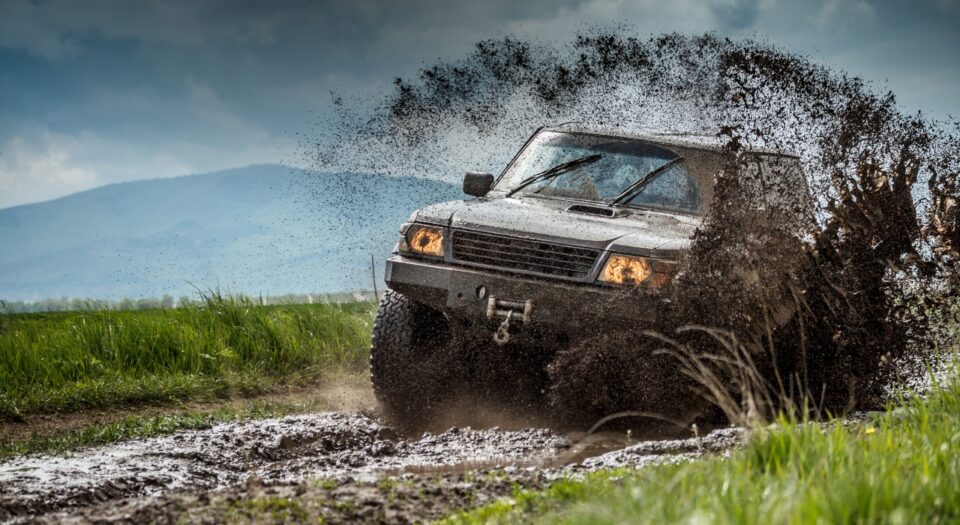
{"x":666,"y":138}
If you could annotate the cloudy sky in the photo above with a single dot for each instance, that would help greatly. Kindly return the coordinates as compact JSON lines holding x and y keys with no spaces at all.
{"x":101,"y":91}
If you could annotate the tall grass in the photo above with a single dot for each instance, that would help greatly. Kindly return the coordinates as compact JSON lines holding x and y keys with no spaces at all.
{"x":222,"y":345}
{"x":902,"y":466}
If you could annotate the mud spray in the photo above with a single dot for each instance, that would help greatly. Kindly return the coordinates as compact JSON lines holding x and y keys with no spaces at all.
{"x":873,"y":257}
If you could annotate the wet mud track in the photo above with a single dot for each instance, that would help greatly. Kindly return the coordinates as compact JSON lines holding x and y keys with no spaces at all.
{"x":353,"y":451}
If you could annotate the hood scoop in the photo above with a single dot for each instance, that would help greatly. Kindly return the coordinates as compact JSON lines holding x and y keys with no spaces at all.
{"x":600,"y":211}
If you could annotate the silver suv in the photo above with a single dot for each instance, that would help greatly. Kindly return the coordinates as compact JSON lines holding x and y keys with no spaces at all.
{"x":541,"y":256}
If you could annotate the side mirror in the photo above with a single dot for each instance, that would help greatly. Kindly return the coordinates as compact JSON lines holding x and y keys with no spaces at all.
{"x":477,"y":184}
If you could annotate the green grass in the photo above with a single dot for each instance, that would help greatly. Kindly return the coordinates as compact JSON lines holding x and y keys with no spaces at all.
{"x":222,"y":346}
{"x":267,"y":509}
{"x":902,"y":466}
{"x":135,"y":426}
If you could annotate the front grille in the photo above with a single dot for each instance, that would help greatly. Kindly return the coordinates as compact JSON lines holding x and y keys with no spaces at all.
{"x":523,"y":254}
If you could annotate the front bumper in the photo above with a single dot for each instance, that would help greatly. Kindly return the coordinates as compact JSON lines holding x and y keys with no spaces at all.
{"x":554,"y":306}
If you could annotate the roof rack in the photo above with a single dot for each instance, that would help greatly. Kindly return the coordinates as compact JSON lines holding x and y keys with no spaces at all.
{"x":702,"y":141}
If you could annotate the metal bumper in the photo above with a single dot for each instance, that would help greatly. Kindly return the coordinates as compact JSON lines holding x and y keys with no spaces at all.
{"x":540,"y":305}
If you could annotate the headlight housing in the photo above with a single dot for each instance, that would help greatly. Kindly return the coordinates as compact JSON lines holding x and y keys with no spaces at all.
{"x":626,"y":269}
{"x":423,"y":240}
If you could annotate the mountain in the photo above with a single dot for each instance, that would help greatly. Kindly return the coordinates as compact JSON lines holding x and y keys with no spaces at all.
{"x":260,"y":229}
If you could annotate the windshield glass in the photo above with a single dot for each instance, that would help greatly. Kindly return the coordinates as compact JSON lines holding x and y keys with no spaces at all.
{"x":621,"y":164}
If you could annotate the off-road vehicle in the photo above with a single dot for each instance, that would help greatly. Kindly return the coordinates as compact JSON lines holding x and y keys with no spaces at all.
{"x":481,"y":292}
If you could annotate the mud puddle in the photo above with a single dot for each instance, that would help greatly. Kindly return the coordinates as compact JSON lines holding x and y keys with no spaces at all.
{"x":352,"y":449}
{"x":283,"y":450}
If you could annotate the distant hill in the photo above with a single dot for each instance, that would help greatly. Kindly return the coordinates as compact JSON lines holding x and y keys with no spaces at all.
{"x":261,"y":229}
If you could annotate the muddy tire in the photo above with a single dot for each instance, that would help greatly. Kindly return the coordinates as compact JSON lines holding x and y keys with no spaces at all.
{"x":410,"y":362}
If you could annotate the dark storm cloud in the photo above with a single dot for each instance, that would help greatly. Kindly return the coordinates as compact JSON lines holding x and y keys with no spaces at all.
{"x":736,"y":14}
{"x":59,"y":28}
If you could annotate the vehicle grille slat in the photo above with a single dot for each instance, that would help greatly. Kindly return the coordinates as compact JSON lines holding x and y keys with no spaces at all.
{"x":497,"y":260}
{"x":540,"y":259}
{"x":523,"y":255}
{"x":587,"y":259}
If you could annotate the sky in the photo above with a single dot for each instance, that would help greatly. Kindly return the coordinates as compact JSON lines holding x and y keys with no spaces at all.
{"x":102,"y":91}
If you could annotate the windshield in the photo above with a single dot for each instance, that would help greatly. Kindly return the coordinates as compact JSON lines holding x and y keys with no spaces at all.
{"x":621,"y":163}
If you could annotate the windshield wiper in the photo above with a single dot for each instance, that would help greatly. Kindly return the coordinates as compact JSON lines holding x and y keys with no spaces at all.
{"x":555,"y":171}
{"x":641,"y":183}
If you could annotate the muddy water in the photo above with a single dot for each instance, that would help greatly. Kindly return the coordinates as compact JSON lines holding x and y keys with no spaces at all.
{"x":276,"y":450}
{"x":351,"y":446}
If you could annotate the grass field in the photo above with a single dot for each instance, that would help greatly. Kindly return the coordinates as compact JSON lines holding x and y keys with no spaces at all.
{"x":902,"y":466}
{"x":221,"y":346}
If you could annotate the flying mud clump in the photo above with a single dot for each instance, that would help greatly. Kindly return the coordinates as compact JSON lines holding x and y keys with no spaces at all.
{"x":745,"y":330}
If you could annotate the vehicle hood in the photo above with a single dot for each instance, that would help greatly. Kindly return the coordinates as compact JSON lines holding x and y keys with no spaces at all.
{"x":635,"y":231}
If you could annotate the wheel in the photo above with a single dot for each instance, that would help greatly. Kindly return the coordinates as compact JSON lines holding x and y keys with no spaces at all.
{"x":411,"y":362}
{"x":424,"y":377}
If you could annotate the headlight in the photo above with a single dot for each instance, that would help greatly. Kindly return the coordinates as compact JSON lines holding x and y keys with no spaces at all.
{"x":425,"y":240}
{"x":624,"y":269}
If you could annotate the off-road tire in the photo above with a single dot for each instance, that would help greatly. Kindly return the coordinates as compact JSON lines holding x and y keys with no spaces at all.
{"x":411,"y":362}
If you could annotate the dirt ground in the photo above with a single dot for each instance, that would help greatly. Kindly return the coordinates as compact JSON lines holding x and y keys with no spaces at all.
{"x":342,"y":466}
{"x":344,"y":392}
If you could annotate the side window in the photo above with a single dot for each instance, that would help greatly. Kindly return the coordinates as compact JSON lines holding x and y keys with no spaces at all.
{"x":775,"y":180}
{"x":784,"y":181}
{"x":777,"y":183}
{"x":673,"y":189}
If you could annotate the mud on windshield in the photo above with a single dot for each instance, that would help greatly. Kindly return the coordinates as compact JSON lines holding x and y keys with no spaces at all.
{"x":667,"y":178}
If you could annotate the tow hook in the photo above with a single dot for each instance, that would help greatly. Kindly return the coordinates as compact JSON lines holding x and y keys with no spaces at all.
{"x":507,"y":310}
{"x":502,"y":335}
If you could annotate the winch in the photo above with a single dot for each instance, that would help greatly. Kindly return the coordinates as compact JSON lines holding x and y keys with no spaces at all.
{"x":509,"y":310}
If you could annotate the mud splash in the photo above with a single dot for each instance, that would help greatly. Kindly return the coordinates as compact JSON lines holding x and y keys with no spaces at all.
{"x":877,"y":244}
